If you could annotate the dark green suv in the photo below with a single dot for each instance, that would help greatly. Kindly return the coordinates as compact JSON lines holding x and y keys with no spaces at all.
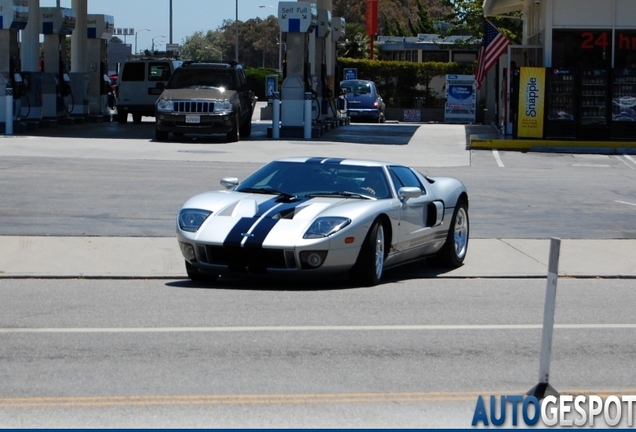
{"x":206,"y":98}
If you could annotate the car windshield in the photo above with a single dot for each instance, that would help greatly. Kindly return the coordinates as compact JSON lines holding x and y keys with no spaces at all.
{"x":200,"y":78}
{"x":318,"y":179}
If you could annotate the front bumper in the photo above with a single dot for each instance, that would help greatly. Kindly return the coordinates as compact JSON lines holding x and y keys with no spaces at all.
{"x":279,"y":261}
{"x":194,"y":123}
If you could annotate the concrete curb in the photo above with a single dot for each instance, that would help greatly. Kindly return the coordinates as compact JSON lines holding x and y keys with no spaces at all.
{"x":488,"y":143}
{"x":152,"y":257}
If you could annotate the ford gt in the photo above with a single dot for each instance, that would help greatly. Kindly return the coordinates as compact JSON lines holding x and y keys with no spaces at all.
{"x":315,"y":216}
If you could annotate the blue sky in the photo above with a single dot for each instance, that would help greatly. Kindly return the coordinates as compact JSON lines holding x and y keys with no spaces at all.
{"x":188,"y":16}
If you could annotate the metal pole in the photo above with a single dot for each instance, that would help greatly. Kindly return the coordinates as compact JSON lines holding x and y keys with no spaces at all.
{"x":8,"y":117}
{"x":543,"y":388}
{"x":236,"y":25}
{"x":307,"y":116}
{"x":170,"y":21}
{"x":276,"y":115}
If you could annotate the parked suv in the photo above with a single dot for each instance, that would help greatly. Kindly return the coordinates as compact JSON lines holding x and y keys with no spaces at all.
{"x":141,"y":81}
{"x":206,"y":98}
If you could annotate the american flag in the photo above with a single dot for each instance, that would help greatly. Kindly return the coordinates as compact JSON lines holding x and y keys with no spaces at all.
{"x":493,"y":45}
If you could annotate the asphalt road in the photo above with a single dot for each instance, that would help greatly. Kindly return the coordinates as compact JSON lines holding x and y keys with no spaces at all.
{"x":414,"y":353}
{"x":512,"y":194}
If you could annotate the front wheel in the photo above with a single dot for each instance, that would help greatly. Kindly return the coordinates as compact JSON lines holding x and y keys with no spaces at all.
{"x":161,"y":135}
{"x":370,"y":265}
{"x":454,"y":250}
{"x":197,"y":276}
{"x":233,"y":135}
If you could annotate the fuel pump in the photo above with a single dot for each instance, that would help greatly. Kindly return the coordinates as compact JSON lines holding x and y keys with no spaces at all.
{"x":99,"y":29}
{"x":324,"y":92}
{"x":58,"y":100}
{"x":13,"y":17}
{"x":298,"y":21}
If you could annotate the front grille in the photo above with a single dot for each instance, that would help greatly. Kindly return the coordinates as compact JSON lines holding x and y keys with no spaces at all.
{"x":193,"y":107}
{"x":241,"y":259}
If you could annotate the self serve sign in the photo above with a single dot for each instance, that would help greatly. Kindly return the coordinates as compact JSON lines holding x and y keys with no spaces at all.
{"x":297,"y":17}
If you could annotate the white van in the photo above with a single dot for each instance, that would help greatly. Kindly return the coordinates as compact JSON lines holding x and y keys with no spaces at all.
{"x":137,"y":86}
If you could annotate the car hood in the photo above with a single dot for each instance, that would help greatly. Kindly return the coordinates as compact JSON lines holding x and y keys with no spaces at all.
{"x":213,"y":93}
{"x":275,"y":221}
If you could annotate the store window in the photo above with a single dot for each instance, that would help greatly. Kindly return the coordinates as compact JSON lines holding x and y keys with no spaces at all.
{"x":435,"y":56}
{"x":625,"y":42}
{"x":582,"y":49}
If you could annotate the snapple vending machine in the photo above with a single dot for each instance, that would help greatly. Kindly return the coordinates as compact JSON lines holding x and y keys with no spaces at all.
{"x":561,"y":103}
{"x":623,"y":123}
{"x":593,"y":101}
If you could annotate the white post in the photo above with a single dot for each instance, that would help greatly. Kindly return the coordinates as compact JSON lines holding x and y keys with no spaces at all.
{"x":543,"y":388}
{"x":8,"y":117}
{"x":307,"y":126}
{"x":276,"y":115}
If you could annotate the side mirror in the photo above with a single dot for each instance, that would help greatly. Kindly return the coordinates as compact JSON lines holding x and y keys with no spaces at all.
{"x":406,"y":193}
{"x":229,"y":182}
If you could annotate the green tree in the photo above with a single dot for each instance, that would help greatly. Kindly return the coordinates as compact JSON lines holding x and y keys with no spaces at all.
{"x":467,"y":16}
{"x":356,"y":43}
{"x":204,"y":47}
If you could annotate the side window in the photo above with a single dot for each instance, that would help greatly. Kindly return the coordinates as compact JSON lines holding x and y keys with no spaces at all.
{"x":404,"y":177}
{"x":158,"y":71}
{"x":133,"y":72}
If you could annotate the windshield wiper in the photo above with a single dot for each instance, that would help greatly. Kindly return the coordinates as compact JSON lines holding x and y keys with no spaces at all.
{"x":347,"y":194}
{"x":268,"y":190}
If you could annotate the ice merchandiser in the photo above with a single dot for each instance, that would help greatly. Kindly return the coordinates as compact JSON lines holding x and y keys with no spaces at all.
{"x":593,"y":102}
{"x":561,"y":103}
{"x":623,"y":121}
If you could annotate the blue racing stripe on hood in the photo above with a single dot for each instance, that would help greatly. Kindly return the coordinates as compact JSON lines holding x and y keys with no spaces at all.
{"x":259,"y":232}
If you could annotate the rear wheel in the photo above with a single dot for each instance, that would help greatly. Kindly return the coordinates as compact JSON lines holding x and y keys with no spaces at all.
{"x":370,"y":265}
{"x":454,"y":250}
{"x":196,"y":275}
{"x":122,"y":117}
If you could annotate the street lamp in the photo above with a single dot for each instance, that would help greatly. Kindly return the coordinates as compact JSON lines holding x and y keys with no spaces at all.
{"x":153,"y":42}
{"x":136,"y":38}
{"x":214,"y":49}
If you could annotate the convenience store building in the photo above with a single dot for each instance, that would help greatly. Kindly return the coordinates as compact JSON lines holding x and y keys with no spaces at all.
{"x":579,"y":59}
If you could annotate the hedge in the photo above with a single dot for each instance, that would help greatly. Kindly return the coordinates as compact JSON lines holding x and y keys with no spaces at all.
{"x":400,"y":83}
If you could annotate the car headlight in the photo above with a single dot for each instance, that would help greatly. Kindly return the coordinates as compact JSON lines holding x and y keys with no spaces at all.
{"x":326,"y":226}
{"x":191,"y":219}
{"x":165,"y":105}
{"x":221,"y":106}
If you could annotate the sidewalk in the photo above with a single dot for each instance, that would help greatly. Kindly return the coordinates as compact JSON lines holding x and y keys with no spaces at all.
{"x":151,"y":257}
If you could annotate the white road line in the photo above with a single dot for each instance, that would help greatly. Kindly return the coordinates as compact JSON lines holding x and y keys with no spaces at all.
{"x":495,"y":153}
{"x":625,"y":202}
{"x":313,"y":328}
{"x":629,"y":158}
{"x":626,"y":163}
{"x":591,"y":165}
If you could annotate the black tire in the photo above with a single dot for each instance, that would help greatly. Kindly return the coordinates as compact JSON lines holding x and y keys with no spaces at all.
{"x":136,"y":118}
{"x":197,"y":276}
{"x":122,"y":117}
{"x":161,"y":135}
{"x":453,"y":253}
{"x":246,"y":129}
{"x":370,"y":264}
{"x":233,"y":135}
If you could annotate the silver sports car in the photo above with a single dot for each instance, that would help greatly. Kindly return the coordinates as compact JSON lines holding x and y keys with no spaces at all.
{"x":323,"y":216}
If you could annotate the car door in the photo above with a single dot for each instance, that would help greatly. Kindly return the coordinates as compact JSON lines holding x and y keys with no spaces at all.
{"x":414,"y":231}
